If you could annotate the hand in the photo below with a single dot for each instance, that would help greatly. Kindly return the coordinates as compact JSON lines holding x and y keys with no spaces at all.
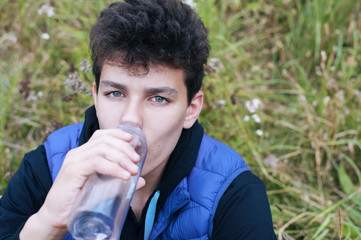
{"x":108,"y":152}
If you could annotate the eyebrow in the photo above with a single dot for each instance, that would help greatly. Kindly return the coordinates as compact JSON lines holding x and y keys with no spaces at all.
{"x":108,"y":83}
{"x":166,"y":90}
{"x":151,"y":90}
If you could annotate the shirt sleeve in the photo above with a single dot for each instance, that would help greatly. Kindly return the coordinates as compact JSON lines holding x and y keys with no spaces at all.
{"x":243,"y":211}
{"x":25,"y":193}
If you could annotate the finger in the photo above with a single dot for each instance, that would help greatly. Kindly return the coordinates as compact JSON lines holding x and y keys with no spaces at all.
{"x":115,"y":132}
{"x":116,"y":146}
{"x":121,"y":153}
{"x":111,"y":169}
{"x":141,"y":183}
{"x":107,"y":142}
{"x":80,"y":166}
{"x":123,"y":161}
{"x":112,"y":149}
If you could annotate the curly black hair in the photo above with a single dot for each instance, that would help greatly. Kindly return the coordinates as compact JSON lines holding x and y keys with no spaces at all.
{"x":138,"y":33}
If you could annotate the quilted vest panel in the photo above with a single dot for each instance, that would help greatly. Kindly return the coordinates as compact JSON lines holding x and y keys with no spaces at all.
{"x":189,"y":210}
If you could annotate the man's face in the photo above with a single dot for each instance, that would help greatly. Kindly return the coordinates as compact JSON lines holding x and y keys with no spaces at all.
{"x":156,"y":102}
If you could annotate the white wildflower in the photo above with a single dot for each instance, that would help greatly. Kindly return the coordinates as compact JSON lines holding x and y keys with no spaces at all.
{"x":318,"y":71}
{"x":256,"y":118}
{"x":332,"y":83}
{"x":285,"y":74}
{"x":214,"y":65}
{"x":191,"y":3}
{"x":12,"y":38}
{"x":75,"y":84}
{"x":302,"y":99}
{"x":45,"y":36}
{"x":48,"y":10}
{"x":259,"y":132}
{"x":272,"y":161}
{"x":222,"y":102}
{"x":253,"y":105}
{"x":32,"y":97}
{"x":357,"y":93}
{"x":314,"y":103}
{"x":7,"y":153}
{"x":246,"y":118}
{"x":326,"y":100}
{"x":85,"y":66}
{"x":306,"y":197}
{"x":340,"y":95}
{"x":323,"y":56}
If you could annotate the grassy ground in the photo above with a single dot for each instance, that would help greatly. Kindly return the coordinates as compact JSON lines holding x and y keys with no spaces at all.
{"x":283,"y":89}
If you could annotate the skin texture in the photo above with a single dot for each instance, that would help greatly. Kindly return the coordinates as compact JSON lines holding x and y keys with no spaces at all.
{"x":157,"y":103}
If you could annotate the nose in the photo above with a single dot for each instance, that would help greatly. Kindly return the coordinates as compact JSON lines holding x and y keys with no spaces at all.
{"x":133,"y":113}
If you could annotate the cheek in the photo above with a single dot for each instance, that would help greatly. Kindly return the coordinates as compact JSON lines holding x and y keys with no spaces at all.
{"x":163,"y":135}
{"x":159,"y":149}
{"x":164,"y":124}
{"x":107,"y":115}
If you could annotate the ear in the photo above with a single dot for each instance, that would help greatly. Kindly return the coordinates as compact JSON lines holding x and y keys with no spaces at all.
{"x":193,"y":110}
{"x":95,"y":95}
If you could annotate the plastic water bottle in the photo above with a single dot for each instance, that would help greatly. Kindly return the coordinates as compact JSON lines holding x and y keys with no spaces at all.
{"x":103,"y":203}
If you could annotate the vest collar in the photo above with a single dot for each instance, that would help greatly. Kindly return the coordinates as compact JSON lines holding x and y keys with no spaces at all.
{"x":91,"y":124}
{"x":176,"y":200}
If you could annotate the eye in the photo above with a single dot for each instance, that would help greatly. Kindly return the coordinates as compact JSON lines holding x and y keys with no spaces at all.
{"x":159,"y":99}
{"x":115,"y":94}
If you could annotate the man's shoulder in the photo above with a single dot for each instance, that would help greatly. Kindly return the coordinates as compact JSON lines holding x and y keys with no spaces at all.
{"x":67,"y":130}
{"x":216,"y":147}
{"x":246,"y":179}
{"x":68,"y":135}
{"x":218,"y":156}
{"x":59,"y":143}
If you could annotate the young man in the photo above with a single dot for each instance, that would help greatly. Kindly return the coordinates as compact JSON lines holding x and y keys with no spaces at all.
{"x":148,"y":58}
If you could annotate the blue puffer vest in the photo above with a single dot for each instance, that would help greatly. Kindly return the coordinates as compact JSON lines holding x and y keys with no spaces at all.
{"x":189,"y":210}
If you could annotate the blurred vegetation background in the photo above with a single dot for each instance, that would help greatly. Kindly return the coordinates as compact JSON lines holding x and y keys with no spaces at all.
{"x":283,"y":88}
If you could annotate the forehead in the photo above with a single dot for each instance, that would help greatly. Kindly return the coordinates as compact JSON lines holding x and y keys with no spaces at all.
{"x":154,"y":74}
{"x":138,"y":70}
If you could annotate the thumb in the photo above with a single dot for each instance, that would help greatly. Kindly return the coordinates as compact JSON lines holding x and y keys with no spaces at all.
{"x":141,"y":183}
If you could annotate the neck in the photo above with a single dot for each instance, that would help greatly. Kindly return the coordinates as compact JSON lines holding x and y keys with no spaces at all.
{"x":152,"y":179}
{"x":141,"y":195}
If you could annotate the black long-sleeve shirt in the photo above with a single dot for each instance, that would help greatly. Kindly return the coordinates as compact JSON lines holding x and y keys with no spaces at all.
{"x":242,"y":213}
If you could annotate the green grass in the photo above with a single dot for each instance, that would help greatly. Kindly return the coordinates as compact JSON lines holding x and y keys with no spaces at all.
{"x":301,"y":59}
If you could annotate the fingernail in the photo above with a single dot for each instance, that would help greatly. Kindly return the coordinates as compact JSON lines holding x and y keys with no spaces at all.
{"x":135,"y":169}
{"x":127,"y":175}
{"x":128,"y":135}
